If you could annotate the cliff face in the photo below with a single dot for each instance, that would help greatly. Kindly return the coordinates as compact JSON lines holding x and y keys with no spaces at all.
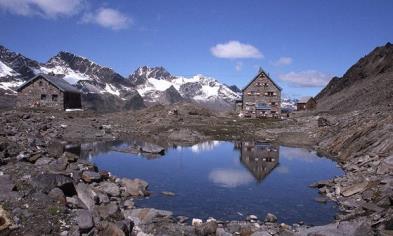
{"x":367,"y":84}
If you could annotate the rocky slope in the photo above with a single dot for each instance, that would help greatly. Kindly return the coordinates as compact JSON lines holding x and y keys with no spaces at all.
{"x":366,"y":84}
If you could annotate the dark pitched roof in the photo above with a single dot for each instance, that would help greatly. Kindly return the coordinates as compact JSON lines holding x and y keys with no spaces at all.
{"x":305,"y":99}
{"x":56,"y":81}
{"x":262,"y":72}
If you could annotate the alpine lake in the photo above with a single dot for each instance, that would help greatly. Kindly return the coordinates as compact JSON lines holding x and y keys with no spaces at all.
{"x":223,"y":179}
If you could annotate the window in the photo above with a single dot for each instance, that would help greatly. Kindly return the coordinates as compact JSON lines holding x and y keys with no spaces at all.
{"x":259,"y":84}
{"x":54,"y":97}
{"x":270,"y":94}
{"x":40,"y":83}
{"x":273,"y":112}
{"x":273,"y":103}
{"x":43,"y":96}
{"x":265,"y":85}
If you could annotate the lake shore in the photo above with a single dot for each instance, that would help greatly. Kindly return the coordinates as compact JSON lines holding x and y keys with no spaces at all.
{"x":71,"y":196}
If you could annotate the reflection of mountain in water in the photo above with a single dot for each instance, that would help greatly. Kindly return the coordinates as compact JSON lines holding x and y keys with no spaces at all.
{"x":258,"y":157}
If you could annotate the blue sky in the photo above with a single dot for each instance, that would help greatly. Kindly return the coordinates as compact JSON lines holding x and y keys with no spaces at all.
{"x":301,"y":44}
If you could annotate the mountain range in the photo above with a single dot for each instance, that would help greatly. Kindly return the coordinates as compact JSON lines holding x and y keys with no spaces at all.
{"x":104,"y":89}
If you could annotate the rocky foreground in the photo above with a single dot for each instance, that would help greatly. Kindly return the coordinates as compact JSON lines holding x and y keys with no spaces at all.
{"x":43,"y":192}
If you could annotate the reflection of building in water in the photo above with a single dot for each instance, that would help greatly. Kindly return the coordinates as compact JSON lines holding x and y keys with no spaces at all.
{"x":258,"y":157}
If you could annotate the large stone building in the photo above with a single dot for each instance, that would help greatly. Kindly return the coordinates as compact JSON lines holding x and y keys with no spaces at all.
{"x":261,"y":97}
{"x":48,"y":91}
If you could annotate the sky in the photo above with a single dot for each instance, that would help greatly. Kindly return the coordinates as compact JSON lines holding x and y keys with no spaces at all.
{"x":302,"y":44}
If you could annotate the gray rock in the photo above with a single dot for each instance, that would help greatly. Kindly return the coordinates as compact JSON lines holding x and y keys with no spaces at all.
{"x":91,"y":176}
{"x":86,"y":195}
{"x":110,"y":188}
{"x":4,"y":219}
{"x":59,"y":164}
{"x":222,"y":232}
{"x":6,"y":187}
{"x":208,"y":228}
{"x":260,"y":233}
{"x":354,"y":188}
{"x":129,"y":203}
{"x":57,"y":195}
{"x":343,"y":228}
{"x":182,"y":219}
{"x":71,"y":157}
{"x":108,"y":210}
{"x":270,"y":218}
{"x":145,"y":215}
{"x":43,"y":161}
{"x":135,"y":187}
{"x":169,"y":194}
{"x":84,"y":221}
{"x":151,"y":148}
{"x":46,"y":182}
{"x":111,"y":229}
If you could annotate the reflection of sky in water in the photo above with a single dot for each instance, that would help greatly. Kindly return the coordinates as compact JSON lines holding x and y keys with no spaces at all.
{"x":213,"y":179}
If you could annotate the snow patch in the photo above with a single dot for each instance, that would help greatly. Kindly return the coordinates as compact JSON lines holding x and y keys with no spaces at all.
{"x":6,"y":70}
{"x":111,"y":89}
{"x":11,"y":86}
{"x":71,"y":76}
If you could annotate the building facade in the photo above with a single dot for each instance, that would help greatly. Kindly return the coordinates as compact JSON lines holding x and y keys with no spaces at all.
{"x":47,"y":91}
{"x":306,"y":103}
{"x":260,"y":98}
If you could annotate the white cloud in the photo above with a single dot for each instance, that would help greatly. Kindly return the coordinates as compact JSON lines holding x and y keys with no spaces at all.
{"x":283,"y":61}
{"x":44,"y":8}
{"x":108,"y":18}
{"x":235,"y":49}
{"x":308,"y":78}
{"x":239,"y":66}
{"x":230,"y":178}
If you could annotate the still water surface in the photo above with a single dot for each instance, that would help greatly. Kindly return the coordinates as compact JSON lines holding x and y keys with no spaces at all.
{"x":229,"y":180}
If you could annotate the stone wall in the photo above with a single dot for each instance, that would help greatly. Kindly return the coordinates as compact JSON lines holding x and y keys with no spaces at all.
{"x":40,"y":94}
{"x":262,"y":90}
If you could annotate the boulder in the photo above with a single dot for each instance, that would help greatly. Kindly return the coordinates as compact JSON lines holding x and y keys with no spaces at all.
{"x":323,"y":122}
{"x":107,"y":210}
{"x":57,"y":195}
{"x":222,"y":232}
{"x":43,"y":161}
{"x":270,"y":218}
{"x":109,"y":188}
{"x":386,"y":166}
{"x":208,"y":228}
{"x":6,"y":187}
{"x":110,"y":229}
{"x":342,"y":228}
{"x":46,"y":182}
{"x":151,"y":148}
{"x":145,"y":215}
{"x":86,"y":195}
{"x":71,"y":157}
{"x":5,"y":221}
{"x":84,"y":221}
{"x":59,"y":165}
{"x":135,"y":187}
{"x":355,"y":188}
{"x":90,"y":176}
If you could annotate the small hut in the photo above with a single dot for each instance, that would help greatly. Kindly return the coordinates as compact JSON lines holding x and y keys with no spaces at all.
{"x":48,"y":91}
{"x":306,"y":103}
